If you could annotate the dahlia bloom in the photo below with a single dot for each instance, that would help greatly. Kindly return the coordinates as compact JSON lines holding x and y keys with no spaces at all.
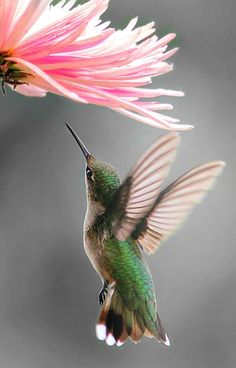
{"x":74,"y":54}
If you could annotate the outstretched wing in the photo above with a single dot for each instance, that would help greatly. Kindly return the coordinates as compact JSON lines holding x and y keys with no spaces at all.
{"x":174,"y":204}
{"x":139,"y":191}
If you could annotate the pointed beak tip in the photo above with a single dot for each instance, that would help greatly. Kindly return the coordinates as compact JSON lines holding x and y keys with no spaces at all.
{"x":79,"y":141}
{"x":68,"y":127}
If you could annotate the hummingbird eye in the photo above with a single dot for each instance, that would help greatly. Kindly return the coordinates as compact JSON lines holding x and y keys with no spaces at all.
{"x":89,"y":172}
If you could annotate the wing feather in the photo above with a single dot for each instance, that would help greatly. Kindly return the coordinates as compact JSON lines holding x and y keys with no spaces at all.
{"x":138,"y":193}
{"x":176,"y":202}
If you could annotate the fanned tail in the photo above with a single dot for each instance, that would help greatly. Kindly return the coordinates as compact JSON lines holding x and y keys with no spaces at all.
{"x":117,"y":323}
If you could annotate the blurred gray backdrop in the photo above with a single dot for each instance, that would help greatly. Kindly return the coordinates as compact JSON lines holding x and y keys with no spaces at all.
{"x":48,"y":289}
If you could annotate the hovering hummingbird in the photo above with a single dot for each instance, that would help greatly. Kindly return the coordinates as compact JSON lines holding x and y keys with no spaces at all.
{"x":125,"y":219}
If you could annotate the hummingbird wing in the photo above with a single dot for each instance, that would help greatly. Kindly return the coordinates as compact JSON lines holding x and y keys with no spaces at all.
{"x":136,"y":196}
{"x":174,"y":204}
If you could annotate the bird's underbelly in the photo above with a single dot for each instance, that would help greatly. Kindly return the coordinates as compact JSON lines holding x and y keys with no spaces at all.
{"x":95,"y":251}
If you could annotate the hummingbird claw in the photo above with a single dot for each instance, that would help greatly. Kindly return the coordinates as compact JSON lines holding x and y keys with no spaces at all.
{"x":103,"y":293}
{"x":102,"y":296}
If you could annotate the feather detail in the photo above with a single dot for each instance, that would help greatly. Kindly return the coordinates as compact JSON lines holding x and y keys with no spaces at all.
{"x":176,"y":202}
{"x":142,"y":186}
{"x":117,"y":323}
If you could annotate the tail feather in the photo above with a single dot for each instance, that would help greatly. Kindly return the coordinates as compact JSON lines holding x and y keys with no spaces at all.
{"x":117,"y":323}
{"x":137,"y":330}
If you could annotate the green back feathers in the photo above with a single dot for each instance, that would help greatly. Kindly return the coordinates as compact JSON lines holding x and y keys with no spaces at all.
{"x":130,"y":309}
{"x":129,"y":269}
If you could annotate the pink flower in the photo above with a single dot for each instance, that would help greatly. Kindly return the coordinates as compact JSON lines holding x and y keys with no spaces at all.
{"x":74,"y":54}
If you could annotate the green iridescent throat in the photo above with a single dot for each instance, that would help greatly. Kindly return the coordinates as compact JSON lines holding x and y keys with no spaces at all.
{"x":104,"y":183}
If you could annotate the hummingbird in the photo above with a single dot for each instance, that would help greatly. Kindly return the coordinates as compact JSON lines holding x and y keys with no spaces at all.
{"x":126,"y":219}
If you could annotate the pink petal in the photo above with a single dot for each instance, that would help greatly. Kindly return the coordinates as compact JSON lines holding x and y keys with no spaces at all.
{"x":58,"y":88}
{"x":142,"y":114}
{"x":160,"y":124}
{"x":32,"y":12}
{"x":30,"y":91}
{"x":7,"y":14}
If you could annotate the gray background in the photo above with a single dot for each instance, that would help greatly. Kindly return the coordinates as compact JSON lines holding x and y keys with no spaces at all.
{"x":48,"y":289}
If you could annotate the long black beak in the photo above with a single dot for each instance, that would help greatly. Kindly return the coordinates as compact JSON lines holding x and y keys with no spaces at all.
{"x":80,"y":143}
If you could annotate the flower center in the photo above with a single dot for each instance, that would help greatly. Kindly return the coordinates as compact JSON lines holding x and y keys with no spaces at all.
{"x":10,"y":73}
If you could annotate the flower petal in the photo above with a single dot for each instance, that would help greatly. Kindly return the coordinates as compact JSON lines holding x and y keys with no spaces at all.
{"x":23,"y":24}
{"x":52,"y":84}
{"x":30,"y":91}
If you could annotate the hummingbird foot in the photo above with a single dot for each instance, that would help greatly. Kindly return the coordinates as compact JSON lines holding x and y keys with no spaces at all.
{"x":103,"y":293}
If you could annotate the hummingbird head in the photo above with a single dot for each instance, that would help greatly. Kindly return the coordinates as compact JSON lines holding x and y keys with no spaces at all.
{"x":101,"y":178}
